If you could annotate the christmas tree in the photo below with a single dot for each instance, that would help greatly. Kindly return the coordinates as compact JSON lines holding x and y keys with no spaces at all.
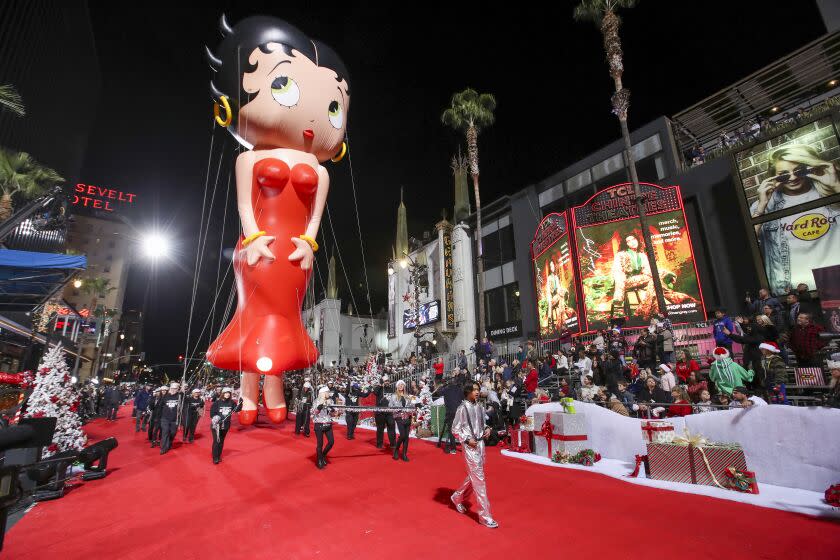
{"x":55,"y":397}
{"x":424,"y":413}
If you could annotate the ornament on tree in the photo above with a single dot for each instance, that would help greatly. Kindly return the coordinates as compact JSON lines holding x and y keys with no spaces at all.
{"x":54,"y":397}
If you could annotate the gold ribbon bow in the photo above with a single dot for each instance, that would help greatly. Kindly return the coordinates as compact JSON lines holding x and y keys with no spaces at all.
{"x":698,"y":441}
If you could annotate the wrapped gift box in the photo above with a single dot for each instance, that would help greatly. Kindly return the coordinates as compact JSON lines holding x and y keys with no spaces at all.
{"x":438,"y":417}
{"x":684,"y":463}
{"x":557,"y":431}
{"x":521,"y":440}
{"x":657,"y":432}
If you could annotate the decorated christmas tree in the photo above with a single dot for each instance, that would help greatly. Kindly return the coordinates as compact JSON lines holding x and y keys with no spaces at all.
{"x":424,"y":413}
{"x":55,"y":397}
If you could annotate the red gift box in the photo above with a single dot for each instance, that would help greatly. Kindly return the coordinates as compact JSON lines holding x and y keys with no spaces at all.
{"x":685,"y":463}
{"x":520,"y":440}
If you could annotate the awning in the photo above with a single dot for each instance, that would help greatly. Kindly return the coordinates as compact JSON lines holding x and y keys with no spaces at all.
{"x":28,"y":279}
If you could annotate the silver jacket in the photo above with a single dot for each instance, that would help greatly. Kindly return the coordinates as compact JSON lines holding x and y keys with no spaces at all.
{"x":469,"y":421}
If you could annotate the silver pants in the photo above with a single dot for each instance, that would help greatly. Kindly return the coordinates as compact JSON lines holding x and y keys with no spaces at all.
{"x":474,"y":457}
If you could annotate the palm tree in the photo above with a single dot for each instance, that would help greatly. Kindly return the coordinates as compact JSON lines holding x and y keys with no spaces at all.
{"x":98,"y":287}
{"x":602,"y":13}
{"x":470,"y":112}
{"x":10,"y":100}
{"x":20,"y":173}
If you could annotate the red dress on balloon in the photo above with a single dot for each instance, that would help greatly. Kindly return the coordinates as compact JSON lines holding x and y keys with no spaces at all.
{"x":267,"y":322}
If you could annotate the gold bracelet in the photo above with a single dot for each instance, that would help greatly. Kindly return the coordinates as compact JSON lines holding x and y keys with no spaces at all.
{"x":250,"y":238}
{"x":312,"y":242}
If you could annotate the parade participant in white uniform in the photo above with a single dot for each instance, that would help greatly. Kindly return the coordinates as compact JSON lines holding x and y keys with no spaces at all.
{"x":469,"y":428}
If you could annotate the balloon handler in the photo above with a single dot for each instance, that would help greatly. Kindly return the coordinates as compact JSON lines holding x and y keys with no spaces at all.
{"x":220,"y":414}
{"x":323,"y":419}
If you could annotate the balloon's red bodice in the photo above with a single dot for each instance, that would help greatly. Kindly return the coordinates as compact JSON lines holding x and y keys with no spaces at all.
{"x":267,"y":322}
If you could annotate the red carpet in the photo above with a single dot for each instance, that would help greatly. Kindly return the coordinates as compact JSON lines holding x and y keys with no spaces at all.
{"x":267,"y":500}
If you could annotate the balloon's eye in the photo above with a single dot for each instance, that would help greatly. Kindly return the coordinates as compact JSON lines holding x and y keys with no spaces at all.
{"x":336,"y":114}
{"x":285,"y":91}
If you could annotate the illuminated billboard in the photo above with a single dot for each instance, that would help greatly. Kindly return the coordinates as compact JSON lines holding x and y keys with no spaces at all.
{"x":778,"y":177}
{"x":613,"y":267}
{"x":554,"y":277}
{"x":429,"y":313}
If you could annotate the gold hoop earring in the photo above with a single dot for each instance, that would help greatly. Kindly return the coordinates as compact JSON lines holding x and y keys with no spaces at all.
{"x":341,"y":153}
{"x":228,"y":113}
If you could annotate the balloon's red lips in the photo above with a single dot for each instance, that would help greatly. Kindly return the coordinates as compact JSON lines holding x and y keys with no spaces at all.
{"x":308,"y":134}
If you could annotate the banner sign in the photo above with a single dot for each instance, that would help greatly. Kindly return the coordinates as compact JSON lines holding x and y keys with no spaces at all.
{"x":613,"y":268}
{"x":554,"y":277}
{"x":778,"y":177}
{"x":392,"y":305}
{"x":448,"y":286}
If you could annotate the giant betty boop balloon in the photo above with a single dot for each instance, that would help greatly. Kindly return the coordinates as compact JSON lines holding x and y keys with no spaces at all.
{"x":285,"y":98}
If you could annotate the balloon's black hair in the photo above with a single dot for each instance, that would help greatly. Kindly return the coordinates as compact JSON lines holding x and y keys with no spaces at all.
{"x":230,"y":60}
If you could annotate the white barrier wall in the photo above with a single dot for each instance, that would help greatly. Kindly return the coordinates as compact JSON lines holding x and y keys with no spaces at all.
{"x":790,"y":446}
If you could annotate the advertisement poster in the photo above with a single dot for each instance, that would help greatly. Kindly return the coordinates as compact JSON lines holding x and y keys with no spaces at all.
{"x":554,"y":277}
{"x":778,"y":177}
{"x":828,"y":287}
{"x":613,"y":267}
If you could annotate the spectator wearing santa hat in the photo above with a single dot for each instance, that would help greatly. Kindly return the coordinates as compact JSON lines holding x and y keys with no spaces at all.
{"x":774,"y":368}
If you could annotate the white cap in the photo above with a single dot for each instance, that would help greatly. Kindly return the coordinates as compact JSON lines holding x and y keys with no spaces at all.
{"x":323,"y":389}
{"x":174,"y":385}
{"x":227,"y":390}
{"x":665,"y":368}
{"x":196,"y":390}
{"x":832,"y":364}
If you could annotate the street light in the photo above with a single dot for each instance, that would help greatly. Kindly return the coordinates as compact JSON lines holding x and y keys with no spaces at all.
{"x":122,"y":336}
{"x":77,"y":283}
{"x":155,"y":246}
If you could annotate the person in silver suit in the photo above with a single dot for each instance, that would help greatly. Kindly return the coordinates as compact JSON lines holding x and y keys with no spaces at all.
{"x":470,"y":430}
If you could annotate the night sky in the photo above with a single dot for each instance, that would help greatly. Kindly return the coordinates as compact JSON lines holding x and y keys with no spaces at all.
{"x":153,"y":129}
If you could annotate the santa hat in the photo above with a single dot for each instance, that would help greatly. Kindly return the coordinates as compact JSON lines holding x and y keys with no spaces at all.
{"x":720,"y":353}
{"x":665,"y":368}
{"x":770,"y":347}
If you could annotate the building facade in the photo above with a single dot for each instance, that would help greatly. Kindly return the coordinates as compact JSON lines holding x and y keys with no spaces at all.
{"x":108,"y":243}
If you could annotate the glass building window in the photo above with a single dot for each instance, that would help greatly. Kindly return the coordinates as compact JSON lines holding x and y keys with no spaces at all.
{"x":501,"y":305}
{"x":498,"y":247}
